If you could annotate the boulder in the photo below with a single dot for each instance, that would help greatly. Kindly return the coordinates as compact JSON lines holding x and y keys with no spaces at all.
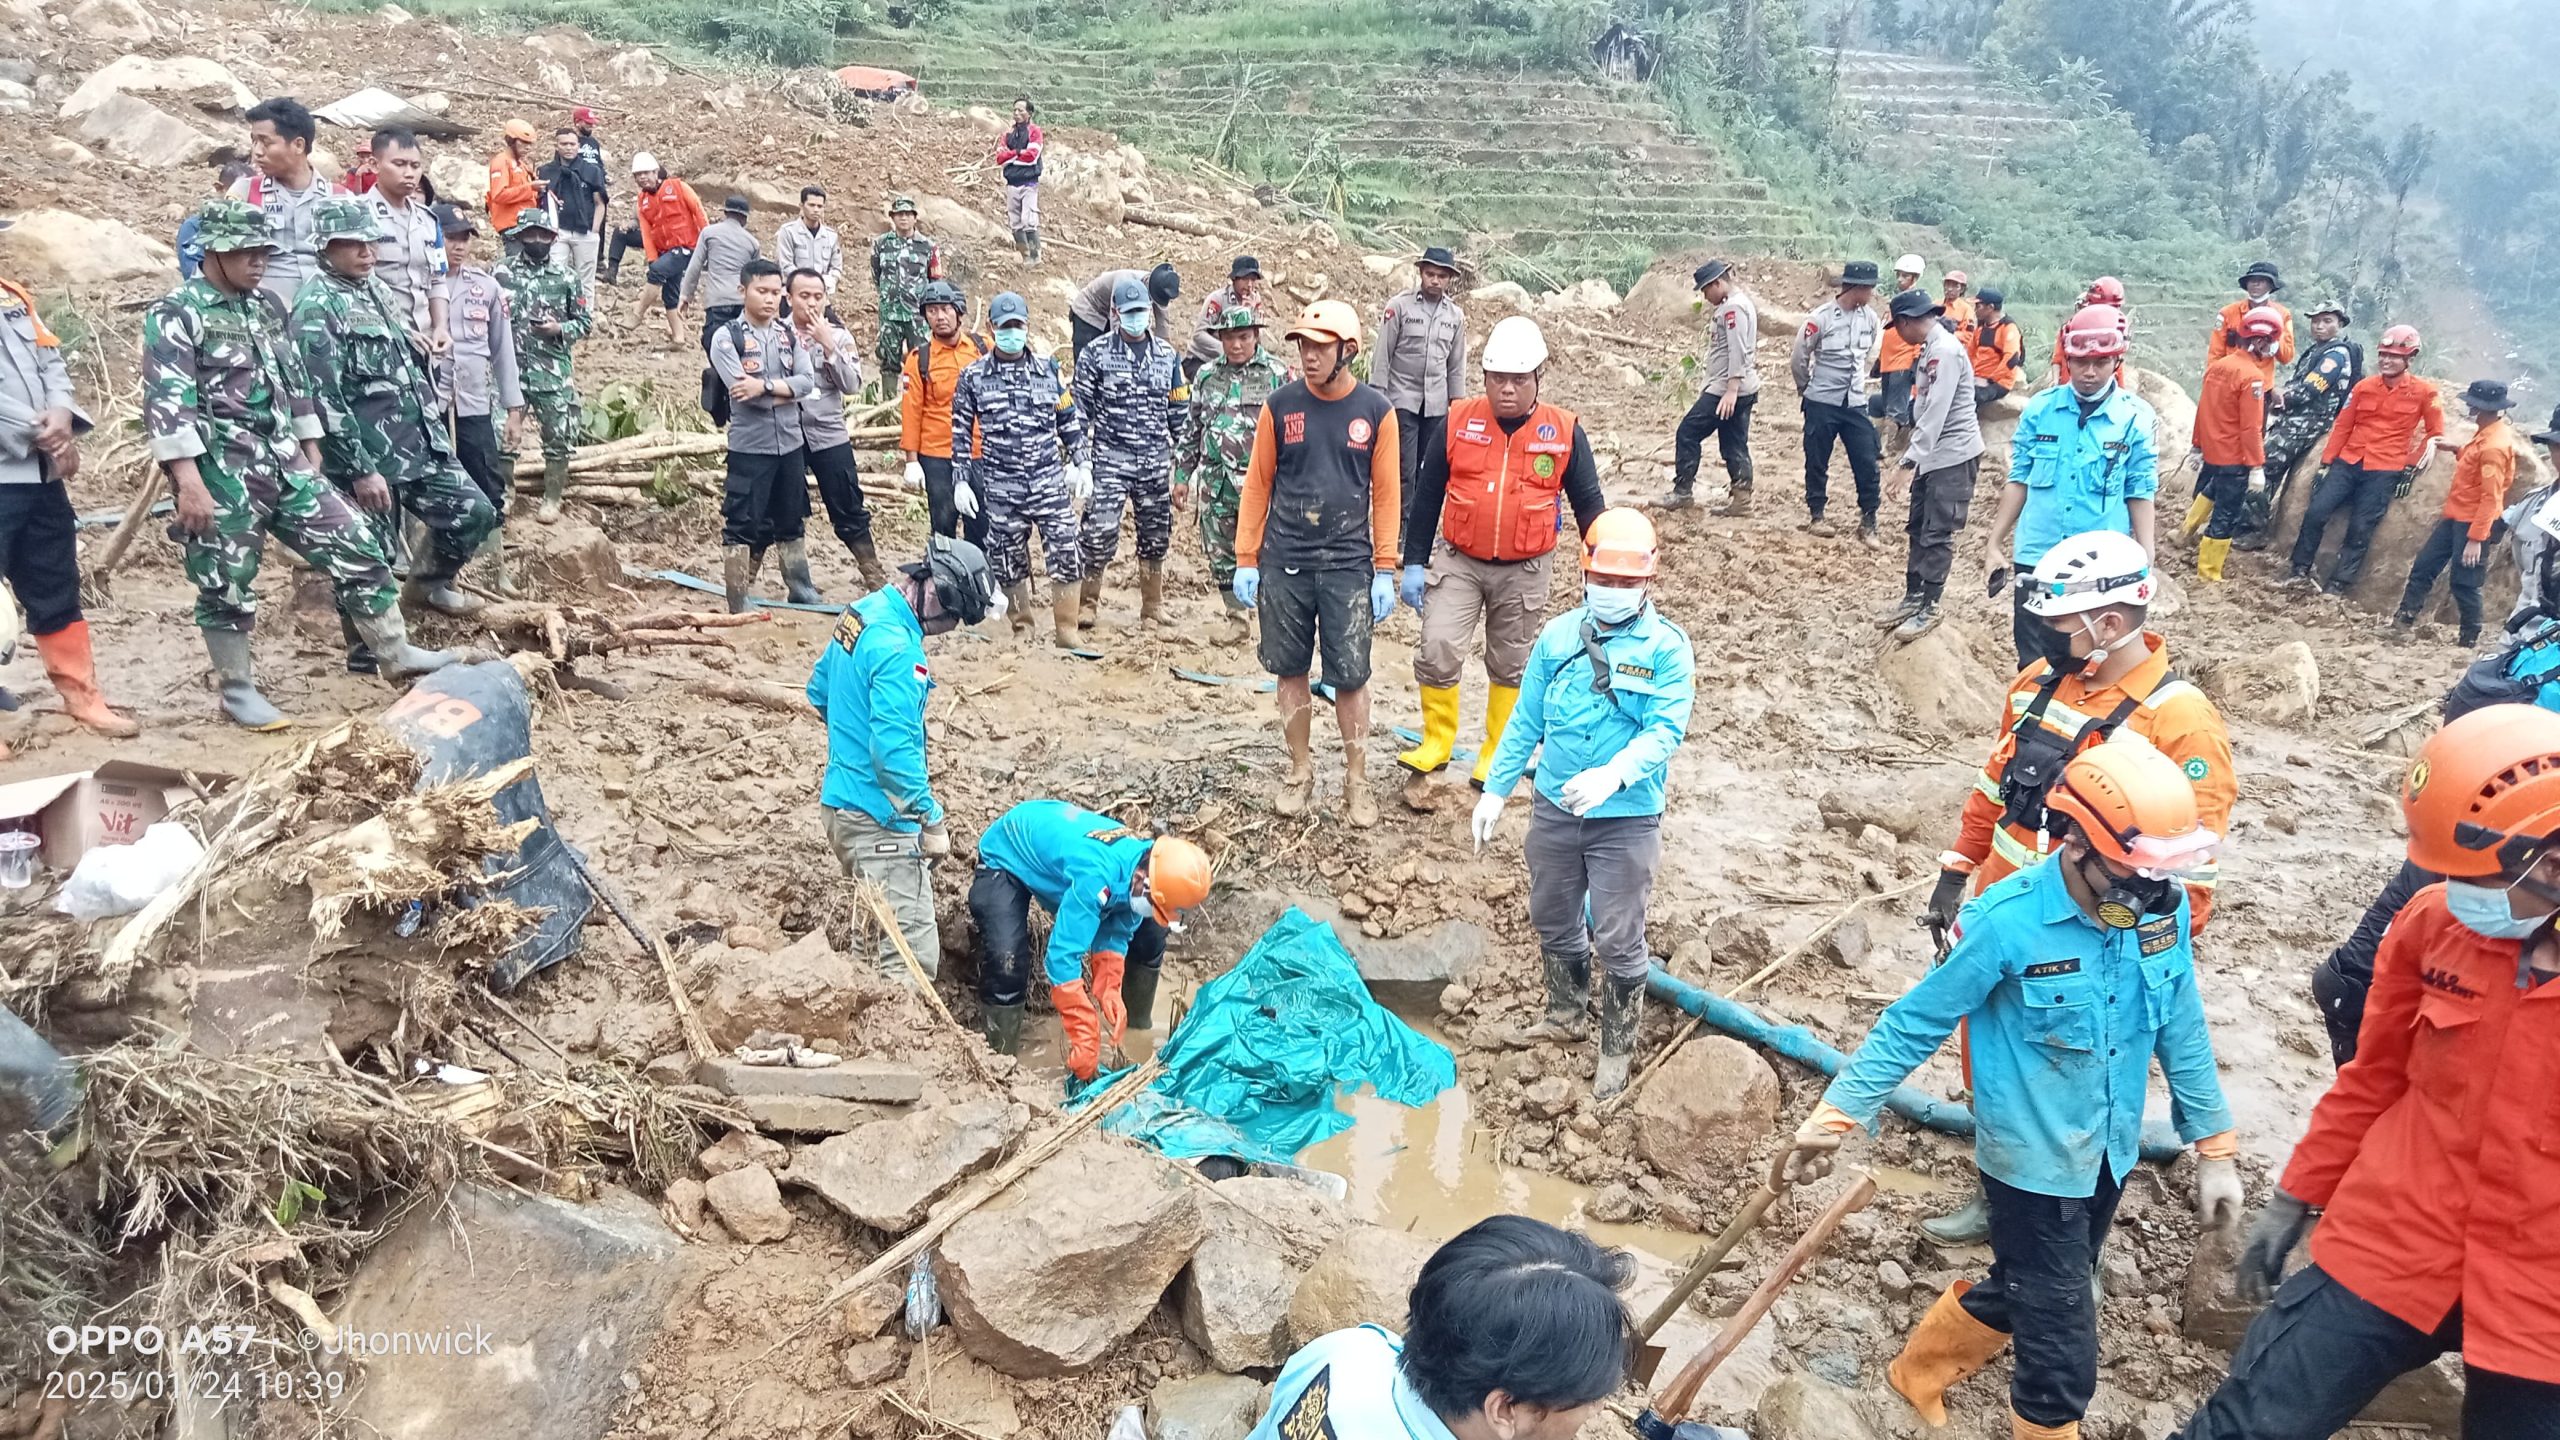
{"x":1663,"y":299}
{"x":1592,"y":296}
{"x":947,"y":218}
{"x":16,"y":99}
{"x":142,"y":133}
{"x":886,"y":1174}
{"x":1777,"y":322}
{"x":2278,"y":687}
{"x":1362,"y":1278}
{"x":1410,"y":970}
{"x":879,"y":1082}
{"x":2177,"y":415}
{"x":56,"y":247}
{"x":121,"y":21}
{"x":1204,"y":1407}
{"x":70,"y":152}
{"x":184,"y":79}
{"x":807,"y":989}
{"x":567,"y":561}
{"x":1505,"y":293}
{"x":1945,"y":681}
{"x":1802,"y":1407}
{"x":637,"y":70}
{"x":1714,"y":1103}
{"x":873,"y":1361}
{"x":739,"y":1149}
{"x":1045,"y":1284}
{"x":549,"y":1304}
{"x":1262,"y":1234}
{"x":749,"y":1203}
{"x":464,"y":181}
{"x":1381,"y":266}
{"x":948,"y":1382}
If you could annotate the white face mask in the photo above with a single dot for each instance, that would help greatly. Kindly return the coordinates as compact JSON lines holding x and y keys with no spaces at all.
{"x":1612,"y":604}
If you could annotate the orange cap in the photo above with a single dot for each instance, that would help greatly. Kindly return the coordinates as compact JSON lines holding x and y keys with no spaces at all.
{"x":1621,"y":543}
{"x":2480,"y":783}
{"x":1177,"y":876}
{"x":1326,"y":320}
{"x":2134,"y":806}
{"x":519,"y":130}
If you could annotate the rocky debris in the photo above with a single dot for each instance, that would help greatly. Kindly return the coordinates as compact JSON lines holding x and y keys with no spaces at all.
{"x":1801,"y":1407}
{"x":637,"y":70}
{"x":1409,"y":971}
{"x":685,"y":1200}
{"x":1261,"y":1235}
{"x":947,"y":218}
{"x":56,"y":247}
{"x":182,"y":79}
{"x":948,"y":1382}
{"x":806,"y":989}
{"x":809,"y":1114}
{"x":1107,"y":181}
{"x":1894,"y":1278}
{"x":1916,"y":806}
{"x":2177,"y":412}
{"x":1548,"y":1097}
{"x":874,"y":1361}
{"x":466,"y":181}
{"x":1504,"y":294}
{"x":1204,"y":1407}
{"x":70,"y":152}
{"x":1361,"y":1278}
{"x":140,"y":132}
{"x":876,"y":1081}
{"x":886,"y":1174}
{"x":2279,"y":687}
{"x":749,"y":1203}
{"x":569,"y":560}
{"x":1849,"y":943}
{"x":1590,"y":296}
{"x":739,"y":1149}
{"x":1663,"y":298}
{"x":1712,"y":1104}
{"x":1074,"y":1257}
{"x":568,"y":1297}
{"x":120,"y":21}
{"x":1945,"y":681}
{"x":868,"y":1311}
{"x":1616,"y":1204}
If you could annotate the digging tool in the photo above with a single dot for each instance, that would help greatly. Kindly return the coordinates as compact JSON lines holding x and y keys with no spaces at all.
{"x":1704,"y":1263}
{"x":1666,"y":1418}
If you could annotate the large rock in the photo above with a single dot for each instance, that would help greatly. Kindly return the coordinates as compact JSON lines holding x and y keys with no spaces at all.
{"x":55,"y":247}
{"x":183,"y":79}
{"x":141,"y":132}
{"x":637,"y":70}
{"x":1043,"y":1285}
{"x":1665,"y":300}
{"x":463,"y":181}
{"x":1204,"y":1407}
{"x":948,"y":218}
{"x":1590,"y":296}
{"x":1802,"y":1407}
{"x":1362,"y":1278}
{"x":1714,"y":1102}
{"x":888,"y":1173}
{"x":749,"y":1204}
{"x":1777,"y":322}
{"x":567,"y":561}
{"x":806,"y":989}
{"x":2176,"y":410}
{"x":1506,"y":294}
{"x":2279,"y":687}
{"x":1946,"y":681}
{"x":1412,"y":969}
{"x":1263,"y":1233}
{"x":121,"y":21}
{"x":549,"y":1303}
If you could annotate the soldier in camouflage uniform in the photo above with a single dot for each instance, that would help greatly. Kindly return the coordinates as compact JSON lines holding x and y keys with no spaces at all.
{"x":1014,"y":412}
{"x":902,"y":260}
{"x":373,"y":392}
{"x":2304,"y":410}
{"x":1129,"y":385}
{"x":230,"y":416}
{"x":1217,"y":442}
{"x":551,"y":314}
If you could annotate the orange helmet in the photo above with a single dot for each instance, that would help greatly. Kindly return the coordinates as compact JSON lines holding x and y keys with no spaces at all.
{"x":1326,"y":320}
{"x":2401,"y":340}
{"x":519,"y":130}
{"x":2105,"y":290}
{"x":2263,"y":322}
{"x":2095,"y":333}
{"x":2484,"y":791}
{"x":1621,"y":543}
{"x":1177,"y":876}
{"x":2134,"y":806}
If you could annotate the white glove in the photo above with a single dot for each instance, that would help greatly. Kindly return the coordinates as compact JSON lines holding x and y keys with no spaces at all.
{"x":1079,"y":483}
{"x":2257,"y":478}
{"x":2194,"y":460}
{"x":1584,"y":792}
{"x":964,"y":499}
{"x":2218,"y":1200}
{"x":915,"y":474}
{"x":996,"y":606}
{"x":1488,"y":814}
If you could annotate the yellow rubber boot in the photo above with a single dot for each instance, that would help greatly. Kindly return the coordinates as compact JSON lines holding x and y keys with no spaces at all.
{"x":2199,"y":510}
{"x":1497,"y":714}
{"x":1439,"y":731}
{"x":2210,"y":553}
{"x":2021,"y":1428}
{"x":1946,"y":1346}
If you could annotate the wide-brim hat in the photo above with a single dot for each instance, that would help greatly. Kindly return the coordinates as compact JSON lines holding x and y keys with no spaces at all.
{"x":2263,"y":270}
{"x":1858,"y":272}
{"x":1439,"y":255}
{"x":1709,"y":273}
{"x":2488,"y":395}
{"x":2552,"y":435}
{"x":1914,"y":304}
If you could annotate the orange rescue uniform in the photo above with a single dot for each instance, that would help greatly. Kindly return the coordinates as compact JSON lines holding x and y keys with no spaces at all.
{"x":2218,"y":344}
{"x":1894,"y":354}
{"x":2482,"y":474}
{"x":1505,"y":490}
{"x":671,"y":218}
{"x":1998,"y":354}
{"x":511,"y":191}
{"x":2380,"y":427}
{"x":931,"y":373}
{"x":2231,"y":414}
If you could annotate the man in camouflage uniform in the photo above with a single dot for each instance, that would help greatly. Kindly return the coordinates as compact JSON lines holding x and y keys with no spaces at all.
{"x":2304,"y":410}
{"x":549,"y":308}
{"x":902,"y":260}
{"x":230,"y":416}
{"x":1013,"y":412}
{"x":1209,"y":464}
{"x":373,"y":392}
{"x":1130,"y":383}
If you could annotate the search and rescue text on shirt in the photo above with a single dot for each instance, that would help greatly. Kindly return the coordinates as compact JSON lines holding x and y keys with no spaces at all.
{"x":118,"y":1362}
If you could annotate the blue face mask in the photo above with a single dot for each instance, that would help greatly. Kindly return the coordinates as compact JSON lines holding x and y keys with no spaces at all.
{"x":2483,"y":910}
{"x":1133,"y":323}
{"x":1010,"y":339}
{"x":1612,"y":604}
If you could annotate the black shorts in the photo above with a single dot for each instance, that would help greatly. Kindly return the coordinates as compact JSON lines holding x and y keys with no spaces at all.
{"x":1302,"y":607}
{"x":667,"y":273}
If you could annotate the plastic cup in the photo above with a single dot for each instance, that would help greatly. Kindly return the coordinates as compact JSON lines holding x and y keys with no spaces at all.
{"x":18,"y":859}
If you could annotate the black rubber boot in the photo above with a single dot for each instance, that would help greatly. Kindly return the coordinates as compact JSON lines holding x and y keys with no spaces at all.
{"x":1004,"y":1029}
{"x":1621,"y":1008}
{"x":1138,"y":993}
{"x":1568,"y":999}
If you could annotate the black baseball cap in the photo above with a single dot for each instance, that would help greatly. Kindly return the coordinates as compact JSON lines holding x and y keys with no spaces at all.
{"x":1858,"y":272}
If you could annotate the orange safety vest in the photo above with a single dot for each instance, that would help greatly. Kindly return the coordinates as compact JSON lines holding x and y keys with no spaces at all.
{"x":1504,"y":490}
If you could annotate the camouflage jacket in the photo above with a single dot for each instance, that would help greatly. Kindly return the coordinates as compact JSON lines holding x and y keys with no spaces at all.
{"x":1133,"y":397}
{"x":1225,"y":401}
{"x":1020,"y":411}
{"x":899,"y":267}
{"x":221,"y":384}
{"x":535,"y":293}
{"x":2314,"y":396}
{"x":372,"y":389}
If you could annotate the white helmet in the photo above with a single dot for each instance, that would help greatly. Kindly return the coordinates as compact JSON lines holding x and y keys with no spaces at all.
{"x":643,"y":163}
{"x":1910,"y":265}
{"x":1516,"y":346}
{"x":2091,"y":572}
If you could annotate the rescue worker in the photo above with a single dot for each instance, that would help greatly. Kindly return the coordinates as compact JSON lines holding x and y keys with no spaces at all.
{"x":2428,"y":1161}
{"x":1217,"y":447}
{"x":551,"y":314}
{"x":362,"y":172}
{"x":230,"y":417}
{"x":513,"y":188}
{"x":1894,"y":357}
{"x":2086,"y":456}
{"x":577,"y":194}
{"x":871,"y":685}
{"x":1111,"y":894}
{"x":1939,"y":465}
{"x":485,"y":380}
{"x":41,"y":423}
{"x":838,"y":367}
{"x":2097,"y":671}
{"x":764,"y":501}
{"x":1421,"y":356}
{"x":932,"y":373}
{"x":1129,"y":386}
{"x":1243,"y":288}
{"x":903,"y":261}
{"x":807,"y":242}
{"x":716,"y":272}
{"x":2369,"y":460}
{"x":1607,"y":693}
{"x":2105,"y":290}
{"x":1480,"y":539}
{"x":2533,"y":534}
{"x":1017,"y":422}
{"x":2227,"y":447}
{"x":1322,"y":492}
{"x":670,"y":224}
{"x":1513,"y":1331}
{"x":2073,"y":974}
{"x":1728,"y":388}
{"x":287,"y":188}
{"x":2258,"y":286}
{"x":1093,"y":311}
{"x":2483,"y":471}
{"x":2322,"y":379}
{"x":1999,"y":355}
{"x":380,"y":441}
{"x":410,"y":255}
{"x":1959,"y":306}
{"x":1018,"y":160}
{"x":1829,"y":365}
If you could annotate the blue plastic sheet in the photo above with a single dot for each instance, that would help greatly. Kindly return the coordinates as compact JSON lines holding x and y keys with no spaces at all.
{"x":1257,"y":1065}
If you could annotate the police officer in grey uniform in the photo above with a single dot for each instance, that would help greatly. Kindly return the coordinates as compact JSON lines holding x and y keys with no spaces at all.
{"x":765,"y":501}
{"x":1015,"y":410}
{"x":1129,"y":385}
{"x":1832,"y":354}
{"x":484,"y":377}
{"x":1421,"y":356}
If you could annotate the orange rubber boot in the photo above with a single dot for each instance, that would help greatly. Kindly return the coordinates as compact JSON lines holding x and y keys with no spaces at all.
{"x":2022,"y":1428}
{"x":74,"y":669}
{"x":1946,"y":1346}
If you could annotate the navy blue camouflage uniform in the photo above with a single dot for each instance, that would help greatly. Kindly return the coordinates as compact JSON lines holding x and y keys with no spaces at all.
{"x":1026,"y":424}
{"x":1135,"y":394}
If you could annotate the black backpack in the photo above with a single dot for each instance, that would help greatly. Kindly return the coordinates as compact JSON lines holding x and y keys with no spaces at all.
{"x":715,"y":391}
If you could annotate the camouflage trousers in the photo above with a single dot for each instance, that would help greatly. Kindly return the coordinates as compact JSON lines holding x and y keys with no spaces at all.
{"x":312,"y":520}
{"x":1221,"y":497}
{"x":449,"y":503}
{"x":557,"y":412}
{"x":1016,"y":503}
{"x":897,"y":338}
{"x":1123,"y":482}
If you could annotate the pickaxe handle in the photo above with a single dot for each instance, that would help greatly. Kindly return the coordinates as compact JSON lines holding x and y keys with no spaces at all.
{"x":1673,"y":1406}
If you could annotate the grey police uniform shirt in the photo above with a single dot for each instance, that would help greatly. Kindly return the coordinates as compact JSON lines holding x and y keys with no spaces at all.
{"x":1422,"y":353}
{"x":711,"y":276}
{"x":484,"y":345}
{"x":838,"y":375}
{"x":796,"y":248}
{"x":1944,"y":429}
{"x":290,"y":220}
{"x":764,"y":424}
{"x":1832,"y":353}
{"x":33,"y":379}
{"x":412,"y":262}
{"x":1733,"y":331}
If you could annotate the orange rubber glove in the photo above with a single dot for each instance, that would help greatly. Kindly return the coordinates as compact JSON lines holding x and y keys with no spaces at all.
{"x":1083,"y":1027}
{"x":1105,"y":969}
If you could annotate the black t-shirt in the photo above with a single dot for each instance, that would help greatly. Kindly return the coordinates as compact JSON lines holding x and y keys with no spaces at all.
{"x":577,"y":187}
{"x":1320,"y":484}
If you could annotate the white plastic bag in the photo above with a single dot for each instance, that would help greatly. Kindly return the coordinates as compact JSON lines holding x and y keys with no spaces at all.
{"x":1129,"y":1424}
{"x":120,"y":879}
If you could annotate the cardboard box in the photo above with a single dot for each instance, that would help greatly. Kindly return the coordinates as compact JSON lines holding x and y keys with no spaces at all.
{"x":83,"y":809}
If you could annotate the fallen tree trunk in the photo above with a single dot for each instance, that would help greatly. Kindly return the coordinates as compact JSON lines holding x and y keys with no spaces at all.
{"x":565,"y":632}
{"x":754,"y":692}
{"x":1165,"y":220}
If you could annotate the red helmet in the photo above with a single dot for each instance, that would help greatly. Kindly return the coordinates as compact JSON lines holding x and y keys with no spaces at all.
{"x":2105,"y":290}
{"x":2263,"y":322}
{"x":2095,"y":333}
{"x":2401,"y":340}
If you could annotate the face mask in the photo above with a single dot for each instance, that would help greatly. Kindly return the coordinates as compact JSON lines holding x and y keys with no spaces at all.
{"x":1011,"y":339}
{"x":537,"y":251}
{"x":1134,"y":324}
{"x":2482,"y":910}
{"x":2055,"y":646}
{"x":2124,"y":899}
{"x":1611,"y":604}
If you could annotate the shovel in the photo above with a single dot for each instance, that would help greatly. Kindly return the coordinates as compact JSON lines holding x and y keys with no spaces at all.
{"x":1666,"y":1418}
{"x":1704,"y":1263}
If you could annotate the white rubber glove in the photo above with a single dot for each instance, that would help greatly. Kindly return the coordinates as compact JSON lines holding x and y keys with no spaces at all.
{"x":1585,"y":792}
{"x":1079,"y":483}
{"x":915,"y":475}
{"x":2257,"y":478}
{"x":996,"y":606}
{"x":1488,"y":814}
{"x":964,"y":499}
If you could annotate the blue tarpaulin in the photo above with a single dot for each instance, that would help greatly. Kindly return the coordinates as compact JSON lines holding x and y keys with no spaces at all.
{"x":1255,"y":1067}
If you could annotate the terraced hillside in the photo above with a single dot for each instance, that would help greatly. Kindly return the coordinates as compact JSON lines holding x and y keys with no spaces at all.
{"x":1942,"y":106}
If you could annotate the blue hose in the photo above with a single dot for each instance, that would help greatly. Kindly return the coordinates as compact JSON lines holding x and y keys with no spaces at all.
{"x":1806,"y":1049}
